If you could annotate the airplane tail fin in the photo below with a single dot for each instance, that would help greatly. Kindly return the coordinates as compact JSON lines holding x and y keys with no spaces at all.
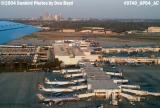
{"x":40,"y":97}
{"x":47,"y":80}
{"x":40,"y":86}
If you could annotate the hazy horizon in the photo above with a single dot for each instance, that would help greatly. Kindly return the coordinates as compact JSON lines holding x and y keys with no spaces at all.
{"x":101,"y":9}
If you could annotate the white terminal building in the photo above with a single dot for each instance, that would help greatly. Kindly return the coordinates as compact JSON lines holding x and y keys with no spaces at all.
{"x":74,"y":52}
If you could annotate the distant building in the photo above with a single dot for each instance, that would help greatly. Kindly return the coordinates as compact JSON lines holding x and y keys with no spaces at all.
{"x":98,"y":31}
{"x":51,"y":17}
{"x":68,"y":30}
{"x":93,"y":28}
{"x":132,"y":32}
{"x":86,"y":31}
{"x":44,"y":28}
{"x":108,"y":32}
{"x":154,"y":29}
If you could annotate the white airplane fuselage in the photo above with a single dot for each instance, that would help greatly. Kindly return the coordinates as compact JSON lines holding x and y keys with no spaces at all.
{"x":56,"y":90}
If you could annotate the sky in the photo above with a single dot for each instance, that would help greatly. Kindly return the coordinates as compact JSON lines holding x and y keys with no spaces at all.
{"x":111,"y":9}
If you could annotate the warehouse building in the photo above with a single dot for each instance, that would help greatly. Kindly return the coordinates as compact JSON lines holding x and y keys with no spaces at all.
{"x":154,"y":29}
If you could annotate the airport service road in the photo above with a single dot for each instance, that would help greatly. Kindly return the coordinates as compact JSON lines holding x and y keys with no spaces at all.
{"x":18,"y":90}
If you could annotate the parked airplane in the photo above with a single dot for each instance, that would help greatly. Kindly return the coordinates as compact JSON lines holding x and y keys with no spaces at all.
{"x":117,"y":81}
{"x":72,"y":70}
{"x":55,"y":100}
{"x":141,"y":92}
{"x":80,"y":87}
{"x":79,"y":80}
{"x":130,"y":86}
{"x":60,"y":90}
{"x":75,"y":75}
{"x":47,"y":81}
{"x":54,"y":90}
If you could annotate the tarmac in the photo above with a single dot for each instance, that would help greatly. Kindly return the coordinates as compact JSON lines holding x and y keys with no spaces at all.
{"x":18,"y":90}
